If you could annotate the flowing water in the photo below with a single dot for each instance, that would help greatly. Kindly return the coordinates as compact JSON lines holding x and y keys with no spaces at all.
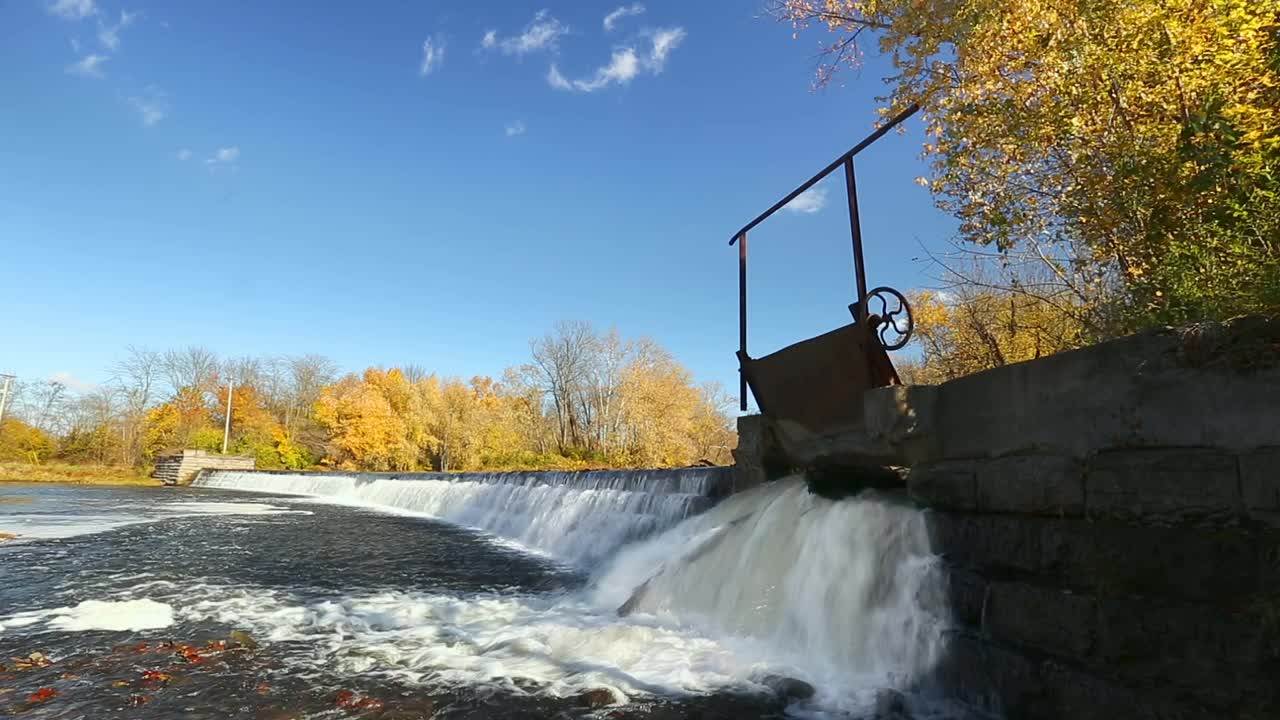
{"x":620,"y":595}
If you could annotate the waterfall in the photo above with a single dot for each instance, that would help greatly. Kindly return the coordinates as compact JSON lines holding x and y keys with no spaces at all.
{"x":845,"y":589}
{"x":844,"y":595}
{"x":576,"y":517}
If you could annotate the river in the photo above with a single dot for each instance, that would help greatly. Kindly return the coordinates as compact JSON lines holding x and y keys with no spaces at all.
{"x":277,"y":596}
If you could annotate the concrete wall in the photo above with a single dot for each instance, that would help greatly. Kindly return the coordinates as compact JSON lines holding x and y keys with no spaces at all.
{"x":1108,"y":521}
{"x":181,"y":468}
{"x":1134,"y":583}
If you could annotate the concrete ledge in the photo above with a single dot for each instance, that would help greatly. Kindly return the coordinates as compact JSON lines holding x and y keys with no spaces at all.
{"x":1164,"y":486}
{"x":1195,"y":387}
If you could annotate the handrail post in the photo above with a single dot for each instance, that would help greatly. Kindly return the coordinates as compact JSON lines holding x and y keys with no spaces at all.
{"x":742,"y":321}
{"x":855,"y":229}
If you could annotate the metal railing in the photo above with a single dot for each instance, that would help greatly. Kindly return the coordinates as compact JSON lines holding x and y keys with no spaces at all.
{"x":855,"y":230}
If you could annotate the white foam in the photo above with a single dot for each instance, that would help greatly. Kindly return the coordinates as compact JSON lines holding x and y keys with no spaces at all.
{"x":562,"y":643}
{"x":834,"y":588}
{"x":53,"y":526}
{"x":95,"y":615}
{"x":229,"y":508}
{"x":772,"y":581}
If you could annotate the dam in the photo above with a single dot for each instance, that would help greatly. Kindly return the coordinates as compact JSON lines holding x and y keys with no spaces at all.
{"x":1091,"y":534}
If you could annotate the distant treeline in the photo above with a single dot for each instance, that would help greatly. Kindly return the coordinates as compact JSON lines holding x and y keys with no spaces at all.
{"x":583,"y":399}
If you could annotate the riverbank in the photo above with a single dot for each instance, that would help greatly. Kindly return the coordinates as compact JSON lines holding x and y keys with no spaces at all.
{"x":11,"y":472}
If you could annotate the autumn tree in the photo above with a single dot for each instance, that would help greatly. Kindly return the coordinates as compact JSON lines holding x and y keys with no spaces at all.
{"x":587,"y":400}
{"x":559,"y":369}
{"x":92,"y":436}
{"x":135,"y":379}
{"x":192,"y":367}
{"x":20,"y":442}
{"x":366,"y":429}
{"x":969,"y":329}
{"x":1133,"y":145}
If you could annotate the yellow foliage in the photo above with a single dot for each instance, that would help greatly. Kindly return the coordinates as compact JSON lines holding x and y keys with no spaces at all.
{"x":979,"y":330}
{"x":1143,"y":135}
{"x":365,"y":431}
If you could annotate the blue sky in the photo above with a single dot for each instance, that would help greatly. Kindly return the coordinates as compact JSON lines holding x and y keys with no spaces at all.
{"x":427,"y":182}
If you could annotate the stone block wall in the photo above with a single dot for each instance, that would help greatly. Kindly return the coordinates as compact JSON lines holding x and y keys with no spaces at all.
{"x":181,"y":468}
{"x":1108,"y":522}
{"x":1135,"y":583}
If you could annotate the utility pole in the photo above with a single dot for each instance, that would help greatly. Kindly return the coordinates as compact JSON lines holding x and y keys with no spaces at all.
{"x":226,"y":429}
{"x":4,"y":394}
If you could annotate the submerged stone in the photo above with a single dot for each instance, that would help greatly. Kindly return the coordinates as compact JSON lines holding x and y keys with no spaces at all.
{"x":243,"y":639}
{"x":788,"y":687}
{"x":836,"y":482}
{"x":596,"y":698}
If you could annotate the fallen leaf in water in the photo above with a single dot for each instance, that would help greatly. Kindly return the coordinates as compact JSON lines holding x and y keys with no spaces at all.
{"x":141,"y":648}
{"x":368,"y":703}
{"x":5,"y":691}
{"x":344,"y":698}
{"x":137,"y":700}
{"x":120,"y":683}
{"x":43,"y":694}
{"x":263,"y":688}
{"x":34,"y":660}
{"x":156,"y":676}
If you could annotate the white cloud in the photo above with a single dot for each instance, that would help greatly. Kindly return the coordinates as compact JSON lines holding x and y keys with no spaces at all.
{"x":73,"y":9}
{"x":432,"y":56}
{"x":624,"y":65}
{"x":808,"y":202}
{"x":151,"y":106}
{"x":622,"y":69}
{"x":71,"y":381}
{"x":557,"y":79}
{"x":611,"y":20}
{"x":224,"y":156}
{"x":515,"y":128}
{"x":184,"y":154}
{"x":664,"y":41}
{"x":88,"y":66}
{"x":109,"y":35}
{"x":542,"y":33}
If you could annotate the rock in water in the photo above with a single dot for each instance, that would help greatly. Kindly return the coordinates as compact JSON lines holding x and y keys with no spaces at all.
{"x":596,"y":698}
{"x":789,"y":688}
{"x":244,"y":640}
{"x":890,"y":705}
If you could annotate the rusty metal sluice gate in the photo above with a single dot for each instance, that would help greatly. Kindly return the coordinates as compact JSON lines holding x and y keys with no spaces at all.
{"x":819,"y":382}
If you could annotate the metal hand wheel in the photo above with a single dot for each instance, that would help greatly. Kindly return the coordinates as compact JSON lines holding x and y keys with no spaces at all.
{"x":893,"y":323}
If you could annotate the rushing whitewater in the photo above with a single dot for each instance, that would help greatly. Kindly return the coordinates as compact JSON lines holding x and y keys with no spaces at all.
{"x":777,"y":581}
{"x":576,"y":517}
{"x":833,"y":588}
